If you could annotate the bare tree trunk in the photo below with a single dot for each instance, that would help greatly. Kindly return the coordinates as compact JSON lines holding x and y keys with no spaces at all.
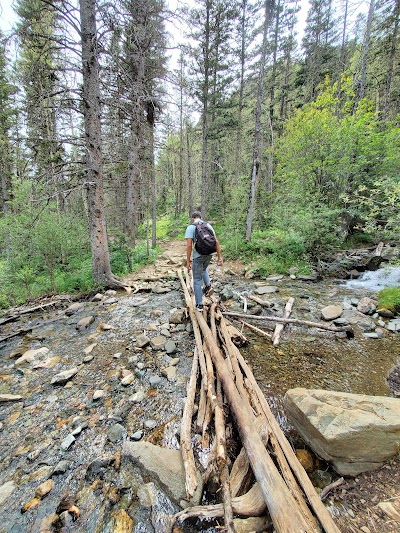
{"x":189,"y":170}
{"x":132,"y":194}
{"x":94,"y":164}
{"x":367,"y":40}
{"x":204,"y":151}
{"x":257,"y":128}
{"x":392,"y":57}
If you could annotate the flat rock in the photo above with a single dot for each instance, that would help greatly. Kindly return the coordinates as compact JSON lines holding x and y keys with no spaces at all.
{"x":6,"y":490}
{"x":74,"y":308}
{"x":266,"y":289}
{"x":30,"y":355}
{"x":142,"y":341}
{"x":158,"y":342}
{"x":354,"y":432}
{"x":331,"y":312}
{"x":10,"y":398}
{"x":163,"y":464}
{"x":85,"y":322}
{"x":64,"y":376}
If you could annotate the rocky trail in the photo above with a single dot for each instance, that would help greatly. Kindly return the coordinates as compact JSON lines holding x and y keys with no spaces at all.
{"x":85,"y":378}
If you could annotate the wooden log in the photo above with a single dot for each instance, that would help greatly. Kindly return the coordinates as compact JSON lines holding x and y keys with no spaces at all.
{"x":283,"y":509}
{"x":279,"y":327}
{"x":185,"y":438}
{"x":257,"y":330}
{"x":260,"y":301}
{"x":222,"y":460}
{"x":318,"y":507}
{"x":250,"y":504}
{"x":320,"y":325}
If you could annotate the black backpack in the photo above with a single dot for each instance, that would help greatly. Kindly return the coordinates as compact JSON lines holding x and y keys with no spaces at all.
{"x":204,"y":239}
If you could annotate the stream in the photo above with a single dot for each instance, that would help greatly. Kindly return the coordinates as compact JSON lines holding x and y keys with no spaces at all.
{"x":71,"y":432}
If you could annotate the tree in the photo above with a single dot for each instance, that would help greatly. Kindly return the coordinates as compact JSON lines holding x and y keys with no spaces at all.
{"x":94,"y":164}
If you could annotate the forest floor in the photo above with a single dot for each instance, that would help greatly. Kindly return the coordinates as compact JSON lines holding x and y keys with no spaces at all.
{"x":370,"y":502}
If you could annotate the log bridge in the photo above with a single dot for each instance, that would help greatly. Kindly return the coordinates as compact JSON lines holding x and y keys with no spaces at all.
{"x":263,"y":476}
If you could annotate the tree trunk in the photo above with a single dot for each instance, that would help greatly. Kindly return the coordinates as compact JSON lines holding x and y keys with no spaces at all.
{"x":204,"y":150}
{"x":392,"y":56}
{"x":94,"y":165}
{"x":257,"y":128}
{"x":367,"y":39}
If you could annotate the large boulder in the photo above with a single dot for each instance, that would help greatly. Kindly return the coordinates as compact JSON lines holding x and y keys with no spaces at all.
{"x":165,"y":466}
{"x":354,"y":432}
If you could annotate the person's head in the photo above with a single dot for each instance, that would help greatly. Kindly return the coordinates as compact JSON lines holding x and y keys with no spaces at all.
{"x":195,"y":215}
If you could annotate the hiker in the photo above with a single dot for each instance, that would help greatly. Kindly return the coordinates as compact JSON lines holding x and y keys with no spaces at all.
{"x":205,"y":244}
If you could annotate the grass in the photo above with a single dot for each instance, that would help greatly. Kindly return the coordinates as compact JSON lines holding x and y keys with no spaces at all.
{"x":389,"y":298}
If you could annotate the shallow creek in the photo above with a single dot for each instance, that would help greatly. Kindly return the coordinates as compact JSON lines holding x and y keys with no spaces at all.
{"x":33,"y":429}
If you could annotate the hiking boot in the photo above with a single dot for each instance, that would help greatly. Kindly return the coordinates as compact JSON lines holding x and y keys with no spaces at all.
{"x":199,"y":307}
{"x":208,"y":290}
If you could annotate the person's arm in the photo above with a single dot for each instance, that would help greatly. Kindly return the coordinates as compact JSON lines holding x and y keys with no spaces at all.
{"x":189,"y":246}
{"x":219,"y":253}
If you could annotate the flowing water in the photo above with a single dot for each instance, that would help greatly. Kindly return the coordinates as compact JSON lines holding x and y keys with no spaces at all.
{"x":32,"y":430}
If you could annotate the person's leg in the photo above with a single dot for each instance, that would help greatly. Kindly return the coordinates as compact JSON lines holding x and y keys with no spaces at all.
{"x":197,"y":269}
{"x":205,"y":275}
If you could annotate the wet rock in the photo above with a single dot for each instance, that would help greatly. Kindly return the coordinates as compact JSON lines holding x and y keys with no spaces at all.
{"x":155,"y":380}
{"x":367,"y":306}
{"x":170,"y":347}
{"x":31,"y":355}
{"x":10,"y":398}
{"x":99,"y":393}
{"x":163,"y":464}
{"x":43,"y":489}
{"x":64,"y":376}
{"x":67,"y":442}
{"x":84,"y":322}
{"x":6,"y":490}
{"x":354,"y":432}
{"x":139,"y":396}
{"x":128,"y":380}
{"x":142,"y":341}
{"x":138,"y":435}
{"x":74,"y":308}
{"x":116,"y":433}
{"x":61,"y":467}
{"x":266,"y":289}
{"x":158,"y":342}
{"x":331,"y":312}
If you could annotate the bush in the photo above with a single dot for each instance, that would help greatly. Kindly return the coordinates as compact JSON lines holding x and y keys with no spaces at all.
{"x":389,"y":298}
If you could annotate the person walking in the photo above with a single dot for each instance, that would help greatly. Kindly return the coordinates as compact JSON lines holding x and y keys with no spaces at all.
{"x":199,"y":263}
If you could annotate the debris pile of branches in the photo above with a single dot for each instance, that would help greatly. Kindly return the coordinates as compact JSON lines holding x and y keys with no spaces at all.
{"x":264,"y":478}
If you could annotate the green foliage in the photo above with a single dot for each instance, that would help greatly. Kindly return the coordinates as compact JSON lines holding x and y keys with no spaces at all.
{"x":172,"y":227}
{"x":389,"y":298}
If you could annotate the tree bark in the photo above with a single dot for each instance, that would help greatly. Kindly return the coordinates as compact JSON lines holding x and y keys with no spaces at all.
{"x":94,"y":164}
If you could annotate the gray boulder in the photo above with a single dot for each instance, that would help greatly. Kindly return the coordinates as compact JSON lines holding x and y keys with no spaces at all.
{"x":354,"y":432}
{"x":163,"y":465}
{"x":330,"y":312}
{"x":367,"y":306}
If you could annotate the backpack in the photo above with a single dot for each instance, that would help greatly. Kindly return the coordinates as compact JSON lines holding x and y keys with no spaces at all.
{"x":204,"y":239}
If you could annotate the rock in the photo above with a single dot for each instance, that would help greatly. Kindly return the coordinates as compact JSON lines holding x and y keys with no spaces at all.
{"x":31,"y":355}
{"x":129,"y":379}
{"x":142,"y":341}
{"x":74,"y":308}
{"x":226,"y":294}
{"x":178,"y":316}
{"x":150,"y":424}
{"x":331,"y":312}
{"x":123,"y":523}
{"x":63,"y":377}
{"x":266,"y":289}
{"x":356,"y":318}
{"x":138,"y":435}
{"x":10,"y":398}
{"x":116,"y":433}
{"x":103,"y":326}
{"x":366,"y":306}
{"x":97,"y":297}
{"x":163,"y":464}
{"x":110,"y":301}
{"x":67,"y":442}
{"x":89,"y":348}
{"x":137,"y":397}
{"x":99,"y":393}
{"x":250,"y":525}
{"x":169,"y":372}
{"x":155,"y":380}
{"x":158,"y":342}
{"x":6,"y":490}
{"x":32,"y":504}
{"x":386,"y":313}
{"x":354,"y":432}
{"x":43,"y":489}
{"x":393,"y":325}
{"x":61,"y":467}
{"x":306,"y":459}
{"x":110,"y":292}
{"x":84,"y":322}
{"x":170,"y":347}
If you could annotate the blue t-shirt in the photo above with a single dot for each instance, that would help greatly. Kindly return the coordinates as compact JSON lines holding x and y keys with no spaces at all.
{"x":190,"y":235}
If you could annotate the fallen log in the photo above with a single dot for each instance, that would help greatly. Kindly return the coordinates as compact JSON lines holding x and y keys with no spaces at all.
{"x":284,"y":511}
{"x":257,"y":330}
{"x":250,"y":504}
{"x":279,"y":327}
{"x":347,"y":329}
{"x":260,"y":301}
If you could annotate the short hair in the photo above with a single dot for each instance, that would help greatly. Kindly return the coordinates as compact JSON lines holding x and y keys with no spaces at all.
{"x":196,"y":214}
